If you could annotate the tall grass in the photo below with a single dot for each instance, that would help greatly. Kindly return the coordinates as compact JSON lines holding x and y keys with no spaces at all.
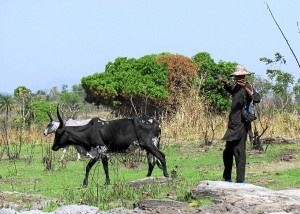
{"x":284,"y":125}
{"x":193,"y":121}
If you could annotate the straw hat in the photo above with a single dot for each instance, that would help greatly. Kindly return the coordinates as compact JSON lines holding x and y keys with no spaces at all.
{"x":240,"y":71}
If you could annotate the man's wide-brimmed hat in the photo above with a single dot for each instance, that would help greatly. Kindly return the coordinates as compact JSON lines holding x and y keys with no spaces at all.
{"x":240,"y":71}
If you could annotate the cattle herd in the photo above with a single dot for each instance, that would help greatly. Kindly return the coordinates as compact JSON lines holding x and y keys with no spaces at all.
{"x":97,"y":138}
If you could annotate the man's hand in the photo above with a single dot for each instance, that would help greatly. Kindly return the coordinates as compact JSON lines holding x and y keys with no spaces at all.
{"x":241,"y":82}
{"x":222,"y":80}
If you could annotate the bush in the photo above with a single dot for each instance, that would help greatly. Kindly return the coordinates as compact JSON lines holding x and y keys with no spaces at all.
{"x":148,"y":85}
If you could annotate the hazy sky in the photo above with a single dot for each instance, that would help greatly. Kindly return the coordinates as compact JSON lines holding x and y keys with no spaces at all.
{"x":45,"y":43}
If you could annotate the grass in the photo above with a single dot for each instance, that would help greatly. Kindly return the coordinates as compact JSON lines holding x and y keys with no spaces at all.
{"x":191,"y":161}
{"x":271,"y":171}
{"x":182,"y":142}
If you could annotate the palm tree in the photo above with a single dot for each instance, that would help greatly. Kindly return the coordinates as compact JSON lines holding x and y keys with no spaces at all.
{"x":6,"y":104}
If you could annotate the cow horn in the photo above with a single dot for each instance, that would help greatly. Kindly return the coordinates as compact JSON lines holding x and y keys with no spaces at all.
{"x":61,"y":120}
{"x":50,"y":115}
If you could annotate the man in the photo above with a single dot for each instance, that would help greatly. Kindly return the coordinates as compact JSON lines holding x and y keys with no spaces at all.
{"x":236,"y":134}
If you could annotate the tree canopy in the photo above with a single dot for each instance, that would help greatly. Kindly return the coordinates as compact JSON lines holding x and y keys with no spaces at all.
{"x":147,"y":85}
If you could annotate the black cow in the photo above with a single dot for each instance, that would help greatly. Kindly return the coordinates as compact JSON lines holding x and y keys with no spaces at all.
{"x":101,"y":137}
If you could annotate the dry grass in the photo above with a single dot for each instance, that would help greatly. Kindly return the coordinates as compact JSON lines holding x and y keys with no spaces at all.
{"x":193,"y":121}
{"x":283,"y":125}
{"x":34,"y":137}
{"x":274,"y":166}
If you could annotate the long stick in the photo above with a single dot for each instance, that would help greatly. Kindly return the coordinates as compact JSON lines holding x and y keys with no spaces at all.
{"x":283,"y":34}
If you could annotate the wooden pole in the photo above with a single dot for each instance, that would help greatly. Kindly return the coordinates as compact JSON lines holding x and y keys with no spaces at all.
{"x":283,"y":34}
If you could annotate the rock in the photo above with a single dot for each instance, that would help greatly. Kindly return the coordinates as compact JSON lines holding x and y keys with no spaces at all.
{"x":33,"y":212}
{"x":22,"y":201}
{"x":149,"y":180}
{"x":153,"y":203}
{"x":78,"y":209}
{"x":249,"y":198}
{"x":7,"y":211}
{"x":228,"y":197}
{"x":122,"y":210}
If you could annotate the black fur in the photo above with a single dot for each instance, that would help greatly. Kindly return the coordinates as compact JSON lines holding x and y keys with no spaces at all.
{"x":116,"y":136}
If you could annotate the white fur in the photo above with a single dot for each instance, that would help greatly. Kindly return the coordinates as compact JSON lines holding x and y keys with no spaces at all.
{"x":155,"y":141}
{"x":53,"y":125}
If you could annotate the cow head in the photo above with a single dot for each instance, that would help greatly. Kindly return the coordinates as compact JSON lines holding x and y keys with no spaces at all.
{"x":61,"y":136}
{"x":52,"y":125}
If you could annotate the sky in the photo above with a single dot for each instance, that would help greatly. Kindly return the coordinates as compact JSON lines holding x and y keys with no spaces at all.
{"x":53,"y":42}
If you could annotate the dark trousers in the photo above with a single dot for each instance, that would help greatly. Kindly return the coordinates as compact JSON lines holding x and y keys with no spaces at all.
{"x":236,"y":149}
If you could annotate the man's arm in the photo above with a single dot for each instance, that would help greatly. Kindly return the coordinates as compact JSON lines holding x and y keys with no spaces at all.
{"x":254,"y":95}
{"x":227,"y":86}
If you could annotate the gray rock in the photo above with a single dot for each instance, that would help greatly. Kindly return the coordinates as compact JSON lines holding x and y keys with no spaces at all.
{"x":153,"y":203}
{"x":7,"y":211}
{"x":33,"y":212}
{"x":122,"y":210}
{"x":249,"y":197}
{"x":149,"y":181}
{"x":78,"y":209}
{"x":230,"y":198}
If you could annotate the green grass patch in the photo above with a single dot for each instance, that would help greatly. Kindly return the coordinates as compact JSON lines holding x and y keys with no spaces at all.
{"x":188,"y":162}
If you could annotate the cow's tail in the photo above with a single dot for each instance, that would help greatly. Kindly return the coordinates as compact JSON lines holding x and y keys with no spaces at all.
{"x":158,"y":147}
{"x":135,"y":125}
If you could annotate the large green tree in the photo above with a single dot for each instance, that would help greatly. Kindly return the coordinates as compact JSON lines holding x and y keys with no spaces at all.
{"x":138,"y":86}
{"x":209,"y":72}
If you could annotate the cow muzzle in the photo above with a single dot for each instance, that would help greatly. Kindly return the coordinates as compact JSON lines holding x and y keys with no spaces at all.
{"x":55,"y":148}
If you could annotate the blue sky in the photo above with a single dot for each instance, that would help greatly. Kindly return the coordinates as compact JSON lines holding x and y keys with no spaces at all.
{"x":53,"y":42}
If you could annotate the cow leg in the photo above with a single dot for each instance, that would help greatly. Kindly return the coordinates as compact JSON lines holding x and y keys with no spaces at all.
{"x":105,"y":167}
{"x":159,"y":155}
{"x":163,"y":163}
{"x":78,"y":156}
{"x":151,"y":163}
{"x":63,"y":153}
{"x":87,"y":171}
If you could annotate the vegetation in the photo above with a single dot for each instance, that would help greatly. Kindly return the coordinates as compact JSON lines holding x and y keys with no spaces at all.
{"x":209,"y":72}
{"x":148,"y":85}
{"x":153,"y":85}
{"x":192,"y":108}
{"x":191,"y":161}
